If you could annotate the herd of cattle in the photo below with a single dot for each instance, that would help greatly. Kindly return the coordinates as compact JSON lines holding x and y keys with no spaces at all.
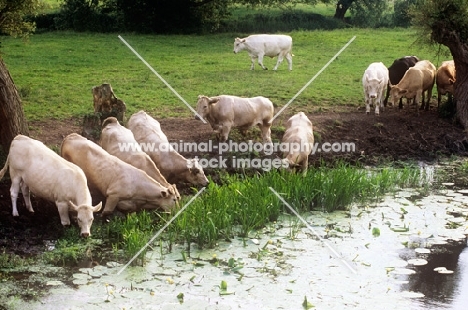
{"x":146,"y":179}
{"x":408,"y":77}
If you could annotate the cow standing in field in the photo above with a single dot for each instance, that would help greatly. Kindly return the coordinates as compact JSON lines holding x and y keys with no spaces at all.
{"x":124,"y":186}
{"x":224,"y":112}
{"x":396,"y":72}
{"x":36,"y":168}
{"x":120,"y":142}
{"x":260,"y":45}
{"x":374,"y":82}
{"x":445,"y":78}
{"x":417,"y":82}
{"x":173,"y":166}
{"x":299,"y":138}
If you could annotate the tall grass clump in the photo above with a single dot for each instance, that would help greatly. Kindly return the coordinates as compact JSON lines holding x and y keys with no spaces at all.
{"x":241,"y":205}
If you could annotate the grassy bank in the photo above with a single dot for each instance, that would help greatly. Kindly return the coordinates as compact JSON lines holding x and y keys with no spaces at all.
{"x":55,"y":72}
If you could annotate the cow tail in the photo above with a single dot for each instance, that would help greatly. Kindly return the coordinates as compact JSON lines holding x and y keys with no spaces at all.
{"x":5,"y":168}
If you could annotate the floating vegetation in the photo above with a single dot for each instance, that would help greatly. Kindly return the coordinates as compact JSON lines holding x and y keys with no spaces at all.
{"x":417,"y":262}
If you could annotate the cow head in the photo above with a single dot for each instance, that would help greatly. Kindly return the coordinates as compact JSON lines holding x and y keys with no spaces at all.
{"x":204,"y":105}
{"x":373,"y":87}
{"x":395,"y":94}
{"x":195,"y":173}
{"x":238,"y":45}
{"x":168,"y":199}
{"x":85,"y":216}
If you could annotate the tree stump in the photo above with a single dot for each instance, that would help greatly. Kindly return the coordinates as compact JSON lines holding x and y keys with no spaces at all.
{"x":106,"y":104}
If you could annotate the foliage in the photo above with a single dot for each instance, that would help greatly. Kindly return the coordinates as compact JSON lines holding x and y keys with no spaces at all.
{"x":13,"y":14}
{"x":442,"y":21}
{"x":401,"y":15}
{"x":165,"y":16}
{"x":369,"y":13}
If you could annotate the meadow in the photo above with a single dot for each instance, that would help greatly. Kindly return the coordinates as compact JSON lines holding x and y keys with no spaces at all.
{"x":54,"y":72}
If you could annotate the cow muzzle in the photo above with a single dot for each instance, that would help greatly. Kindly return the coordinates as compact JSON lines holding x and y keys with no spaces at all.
{"x":197,"y":117}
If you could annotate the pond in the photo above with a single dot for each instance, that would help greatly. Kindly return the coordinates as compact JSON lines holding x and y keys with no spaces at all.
{"x":406,"y":252}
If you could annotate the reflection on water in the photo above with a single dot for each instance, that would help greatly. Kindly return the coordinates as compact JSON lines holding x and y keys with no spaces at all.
{"x":442,"y":291}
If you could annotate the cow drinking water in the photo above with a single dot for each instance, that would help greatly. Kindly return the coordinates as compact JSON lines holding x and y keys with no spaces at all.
{"x":36,"y":168}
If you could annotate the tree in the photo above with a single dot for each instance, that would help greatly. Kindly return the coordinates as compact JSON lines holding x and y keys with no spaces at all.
{"x":446,"y":22}
{"x":341,"y":8}
{"x":12,"y":22}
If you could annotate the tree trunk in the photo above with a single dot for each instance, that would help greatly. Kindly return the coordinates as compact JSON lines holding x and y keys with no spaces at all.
{"x":460,"y":91}
{"x":12,"y":120}
{"x":341,"y":8}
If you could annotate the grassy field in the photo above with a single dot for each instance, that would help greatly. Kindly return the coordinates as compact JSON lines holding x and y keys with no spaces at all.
{"x":54,"y":72}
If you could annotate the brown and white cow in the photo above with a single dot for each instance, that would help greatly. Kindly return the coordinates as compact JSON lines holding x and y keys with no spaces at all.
{"x":445,"y":78}
{"x":396,"y":72}
{"x":417,"y":82}
{"x":124,"y":186}
{"x":224,"y":112}
{"x":120,"y":142}
{"x":173,"y":166}
{"x":298,"y":139}
{"x":36,"y":168}
{"x":271,"y":45}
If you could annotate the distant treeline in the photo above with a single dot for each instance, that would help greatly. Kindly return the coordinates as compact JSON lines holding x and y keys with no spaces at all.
{"x":186,"y":16}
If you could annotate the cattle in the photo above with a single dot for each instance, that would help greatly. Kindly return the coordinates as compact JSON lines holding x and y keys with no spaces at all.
{"x":120,"y":142}
{"x":417,"y":82}
{"x":374,"y":82}
{"x":224,"y":112}
{"x":298,"y":140}
{"x":36,"y":168}
{"x":260,"y":45}
{"x":124,"y":186}
{"x":396,"y":72}
{"x":445,"y":78}
{"x":173,"y":166}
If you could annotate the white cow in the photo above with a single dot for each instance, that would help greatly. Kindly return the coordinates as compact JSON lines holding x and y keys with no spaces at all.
{"x":224,"y":112}
{"x":374,"y":82}
{"x":124,"y":186}
{"x":272,"y":45}
{"x":299,"y":141}
{"x":173,"y":166}
{"x":36,"y":168}
{"x":120,"y":142}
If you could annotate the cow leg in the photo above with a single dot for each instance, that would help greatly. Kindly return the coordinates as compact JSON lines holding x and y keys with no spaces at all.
{"x":266,"y":131}
{"x":27,"y":197}
{"x":429,"y":95}
{"x":63,"y":212}
{"x":224,"y":133}
{"x":280,"y":60}
{"x":252,"y":65}
{"x":111,"y":203}
{"x":14,"y":190}
{"x":260,"y":61}
{"x":367,"y":106}
{"x":289,"y":60}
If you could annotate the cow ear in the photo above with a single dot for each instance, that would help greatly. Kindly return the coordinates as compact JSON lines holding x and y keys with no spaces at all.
{"x":243,"y":40}
{"x":213,"y":100}
{"x":451,"y":81}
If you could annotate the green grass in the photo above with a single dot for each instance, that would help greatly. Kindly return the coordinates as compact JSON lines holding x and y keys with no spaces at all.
{"x":54,"y":72}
